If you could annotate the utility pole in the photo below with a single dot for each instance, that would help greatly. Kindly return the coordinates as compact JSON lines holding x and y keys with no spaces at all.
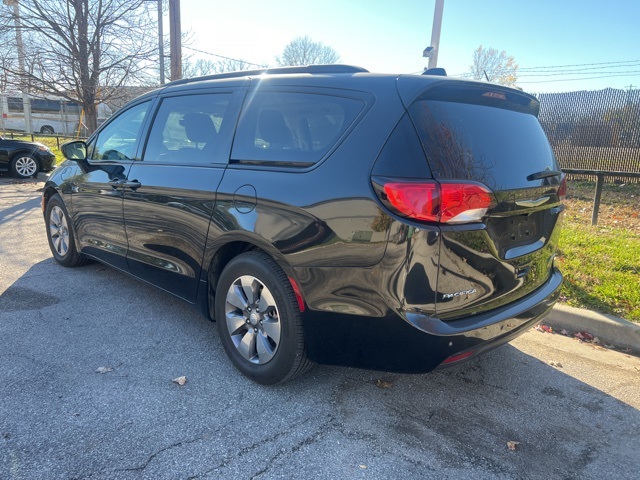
{"x":161,"y":42}
{"x":629,"y":92}
{"x":432,"y":51}
{"x":175,"y":39}
{"x":22,"y":71}
{"x":160,"y":39}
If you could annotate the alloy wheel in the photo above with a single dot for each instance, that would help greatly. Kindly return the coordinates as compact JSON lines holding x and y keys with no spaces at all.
{"x":26,"y":166}
{"x":252,"y":319}
{"x":59,"y":231}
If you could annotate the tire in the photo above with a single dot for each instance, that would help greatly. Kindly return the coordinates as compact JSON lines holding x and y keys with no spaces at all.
{"x":24,"y":165}
{"x":259,"y":321}
{"x":47,"y":130}
{"x":60,"y":234}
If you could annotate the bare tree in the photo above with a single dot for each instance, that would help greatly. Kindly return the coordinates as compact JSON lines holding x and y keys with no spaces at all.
{"x":81,"y":50}
{"x":494,"y":66}
{"x":202,"y":67}
{"x":8,"y":59}
{"x":304,"y":51}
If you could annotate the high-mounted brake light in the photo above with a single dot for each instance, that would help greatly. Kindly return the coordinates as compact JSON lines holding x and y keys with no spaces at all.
{"x":499,"y":96}
{"x":440,"y":202}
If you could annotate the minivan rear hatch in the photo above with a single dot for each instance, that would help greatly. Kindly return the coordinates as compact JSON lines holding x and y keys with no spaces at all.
{"x":475,"y":132}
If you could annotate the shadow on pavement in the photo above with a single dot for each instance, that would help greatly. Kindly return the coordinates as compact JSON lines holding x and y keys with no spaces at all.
{"x":59,"y":418}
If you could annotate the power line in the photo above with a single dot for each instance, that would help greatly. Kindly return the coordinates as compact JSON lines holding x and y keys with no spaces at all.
{"x":579,"y":65}
{"x":226,"y":58}
{"x":574,"y":73}
{"x":578,"y":79}
{"x":584,"y":71}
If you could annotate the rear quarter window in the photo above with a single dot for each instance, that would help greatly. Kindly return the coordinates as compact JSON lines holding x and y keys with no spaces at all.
{"x":290,"y":128}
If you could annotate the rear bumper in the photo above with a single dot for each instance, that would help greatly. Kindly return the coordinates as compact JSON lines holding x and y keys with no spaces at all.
{"x":417,"y":343}
{"x":490,"y":324}
{"x":472,"y":336}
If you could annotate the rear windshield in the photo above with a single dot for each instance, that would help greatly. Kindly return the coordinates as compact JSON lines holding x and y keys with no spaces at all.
{"x":495,"y":146}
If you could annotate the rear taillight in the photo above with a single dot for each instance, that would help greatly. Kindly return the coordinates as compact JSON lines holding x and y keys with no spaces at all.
{"x":562,"y":189}
{"x":440,"y":202}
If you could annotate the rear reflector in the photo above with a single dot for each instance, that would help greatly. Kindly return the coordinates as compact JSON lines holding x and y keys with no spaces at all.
{"x":562,"y":189}
{"x":458,"y":357}
{"x":298,"y":294}
{"x":440,"y":202}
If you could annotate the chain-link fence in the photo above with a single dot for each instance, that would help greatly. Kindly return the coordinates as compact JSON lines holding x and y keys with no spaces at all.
{"x":594,"y":130}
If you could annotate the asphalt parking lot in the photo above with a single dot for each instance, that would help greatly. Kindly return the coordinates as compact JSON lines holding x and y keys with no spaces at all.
{"x":570,"y":409}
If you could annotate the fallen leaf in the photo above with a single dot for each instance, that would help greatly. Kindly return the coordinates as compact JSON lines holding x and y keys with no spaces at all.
{"x":584,"y":336}
{"x":384,"y":384}
{"x":544,"y":328}
{"x":363,"y":466}
{"x":564,"y":332}
{"x":104,"y":370}
{"x":511,"y":445}
{"x":180,"y":380}
{"x":556,"y":364}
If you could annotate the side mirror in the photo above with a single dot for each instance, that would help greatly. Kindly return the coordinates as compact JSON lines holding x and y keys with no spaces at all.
{"x":76,"y":150}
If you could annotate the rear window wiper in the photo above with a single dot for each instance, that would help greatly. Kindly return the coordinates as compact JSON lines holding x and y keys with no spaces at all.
{"x":544,"y":174}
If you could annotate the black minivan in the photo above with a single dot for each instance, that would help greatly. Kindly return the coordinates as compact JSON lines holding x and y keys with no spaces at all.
{"x":324,"y":213}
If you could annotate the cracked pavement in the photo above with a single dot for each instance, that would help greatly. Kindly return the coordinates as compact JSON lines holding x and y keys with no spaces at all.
{"x":60,"y":419}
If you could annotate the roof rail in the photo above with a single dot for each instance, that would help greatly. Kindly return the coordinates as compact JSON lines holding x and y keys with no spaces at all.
{"x":333,"y":68}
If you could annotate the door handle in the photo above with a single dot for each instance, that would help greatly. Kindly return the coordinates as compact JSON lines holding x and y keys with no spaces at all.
{"x":133,"y":184}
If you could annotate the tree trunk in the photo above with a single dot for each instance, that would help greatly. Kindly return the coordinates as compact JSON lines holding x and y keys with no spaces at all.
{"x":90,"y":117}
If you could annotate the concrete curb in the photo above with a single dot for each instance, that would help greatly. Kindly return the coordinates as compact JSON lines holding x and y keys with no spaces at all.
{"x":609,"y":329}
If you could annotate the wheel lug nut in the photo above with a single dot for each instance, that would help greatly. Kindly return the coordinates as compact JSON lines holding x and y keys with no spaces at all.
{"x":255,"y":330}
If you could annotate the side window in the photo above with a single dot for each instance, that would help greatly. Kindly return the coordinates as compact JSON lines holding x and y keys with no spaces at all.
{"x":186,"y":129}
{"x":117,"y":141}
{"x":292,"y":128}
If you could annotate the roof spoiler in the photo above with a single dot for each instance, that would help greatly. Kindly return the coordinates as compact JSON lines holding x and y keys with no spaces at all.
{"x":441,"y":72}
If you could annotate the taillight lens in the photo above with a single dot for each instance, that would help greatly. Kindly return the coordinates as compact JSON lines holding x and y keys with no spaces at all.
{"x":562,"y":189}
{"x":440,"y":202}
